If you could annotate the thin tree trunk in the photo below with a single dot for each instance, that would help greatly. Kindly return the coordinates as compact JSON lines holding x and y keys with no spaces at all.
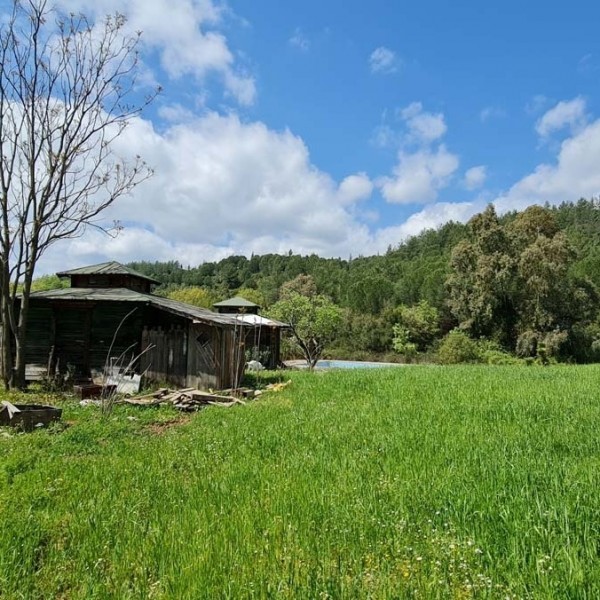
{"x":5,"y":313}
{"x":21,"y":333}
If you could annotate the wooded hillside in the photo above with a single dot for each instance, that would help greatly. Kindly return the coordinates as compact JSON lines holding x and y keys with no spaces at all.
{"x":375,"y":290}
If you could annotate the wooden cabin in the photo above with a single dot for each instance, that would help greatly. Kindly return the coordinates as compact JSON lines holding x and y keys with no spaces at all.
{"x":109,"y":316}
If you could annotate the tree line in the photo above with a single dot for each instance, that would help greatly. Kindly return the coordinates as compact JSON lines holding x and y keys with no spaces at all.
{"x":524,"y":284}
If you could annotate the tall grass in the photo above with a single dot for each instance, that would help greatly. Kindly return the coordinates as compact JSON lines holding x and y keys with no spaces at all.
{"x":419,"y":482}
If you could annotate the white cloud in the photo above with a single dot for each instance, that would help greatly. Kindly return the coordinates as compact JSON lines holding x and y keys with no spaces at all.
{"x":475,"y":177}
{"x":575,"y":174}
{"x":430,"y":217}
{"x":418,"y":177}
{"x":355,"y":188}
{"x":418,"y":127}
{"x":299,"y":40}
{"x":571,"y":114}
{"x":420,"y":174}
{"x":224,"y":187}
{"x":423,"y":127}
{"x":436,"y":215}
{"x":175,"y":113}
{"x":183,"y":33}
{"x":383,"y":60}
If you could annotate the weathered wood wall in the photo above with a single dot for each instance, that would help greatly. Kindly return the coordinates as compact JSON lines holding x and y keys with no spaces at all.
{"x":118,"y":325}
{"x":40,"y":335}
{"x":203,"y":367}
{"x":78,"y":335}
{"x":164,"y":357}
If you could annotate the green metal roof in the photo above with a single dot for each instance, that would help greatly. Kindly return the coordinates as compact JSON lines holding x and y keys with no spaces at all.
{"x":236,"y":302}
{"x":106,"y":268}
{"x":125,"y":295}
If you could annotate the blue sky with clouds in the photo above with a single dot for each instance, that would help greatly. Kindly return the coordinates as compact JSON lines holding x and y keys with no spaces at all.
{"x":343,"y":127}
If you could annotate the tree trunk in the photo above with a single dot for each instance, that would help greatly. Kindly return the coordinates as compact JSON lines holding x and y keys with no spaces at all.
{"x":5,"y":315}
{"x":21,"y":333}
{"x":7,"y":358}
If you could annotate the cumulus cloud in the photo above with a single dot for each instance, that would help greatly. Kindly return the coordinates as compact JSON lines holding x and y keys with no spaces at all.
{"x":223,"y":186}
{"x":355,"y":188}
{"x":226,"y":187}
{"x":475,"y":177}
{"x":383,"y":60}
{"x":567,"y":114}
{"x":418,"y":177}
{"x":183,"y":33}
{"x":574,"y":175}
{"x":424,"y":165}
{"x":423,"y":127}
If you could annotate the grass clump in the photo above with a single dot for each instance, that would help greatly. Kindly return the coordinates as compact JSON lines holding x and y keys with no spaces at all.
{"x":436,"y":482}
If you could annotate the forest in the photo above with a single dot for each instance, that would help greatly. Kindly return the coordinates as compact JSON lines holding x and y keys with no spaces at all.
{"x":521,"y":286}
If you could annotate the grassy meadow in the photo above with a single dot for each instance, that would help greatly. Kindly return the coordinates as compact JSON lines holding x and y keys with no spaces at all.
{"x":424,"y":482}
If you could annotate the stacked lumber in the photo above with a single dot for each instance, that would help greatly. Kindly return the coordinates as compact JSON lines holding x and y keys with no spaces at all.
{"x":188,"y":399}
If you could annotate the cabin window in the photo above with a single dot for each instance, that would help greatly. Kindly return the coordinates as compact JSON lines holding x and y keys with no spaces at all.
{"x":203,"y":338}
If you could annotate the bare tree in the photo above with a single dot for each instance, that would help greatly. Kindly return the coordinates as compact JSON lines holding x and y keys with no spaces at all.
{"x":68,"y":90}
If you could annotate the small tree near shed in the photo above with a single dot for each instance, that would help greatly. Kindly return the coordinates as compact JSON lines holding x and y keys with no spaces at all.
{"x":313,"y":318}
{"x":65,"y":89}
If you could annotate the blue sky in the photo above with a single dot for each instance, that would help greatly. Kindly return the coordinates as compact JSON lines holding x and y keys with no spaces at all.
{"x":343,"y":127}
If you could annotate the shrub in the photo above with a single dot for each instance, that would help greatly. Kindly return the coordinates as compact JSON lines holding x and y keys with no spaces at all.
{"x":492,"y":353}
{"x":402,"y":343}
{"x":545,"y":347}
{"x":458,"y":347}
{"x":499,"y":357}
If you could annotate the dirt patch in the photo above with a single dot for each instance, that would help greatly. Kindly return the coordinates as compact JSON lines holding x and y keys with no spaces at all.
{"x":161,"y":428}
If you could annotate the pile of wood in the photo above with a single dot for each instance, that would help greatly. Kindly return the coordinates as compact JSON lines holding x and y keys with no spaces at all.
{"x":189,"y":399}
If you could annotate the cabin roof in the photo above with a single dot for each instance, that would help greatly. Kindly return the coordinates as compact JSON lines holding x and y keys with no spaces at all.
{"x":256,"y":320}
{"x":236,"y":302}
{"x":107,"y":268}
{"x":182,"y":309}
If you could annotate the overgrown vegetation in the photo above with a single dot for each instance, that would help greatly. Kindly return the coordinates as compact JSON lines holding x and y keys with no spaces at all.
{"x":432,"y":482}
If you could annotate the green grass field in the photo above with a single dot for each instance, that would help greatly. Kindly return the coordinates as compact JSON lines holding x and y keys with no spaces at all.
{"x":428,"y":482}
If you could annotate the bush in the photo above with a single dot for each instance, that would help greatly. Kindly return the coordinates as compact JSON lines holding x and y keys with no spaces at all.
{"x":492,"y":353}
{"x":458,"y":347}
{"x":499,"y":357}
{"x":402,"y":344}
{"x":544,"y":347}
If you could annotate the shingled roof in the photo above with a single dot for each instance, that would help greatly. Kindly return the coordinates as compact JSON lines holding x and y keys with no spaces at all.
{"x":236,"y":302}
{"x":182,"y":309}
{"x":106,"y":268}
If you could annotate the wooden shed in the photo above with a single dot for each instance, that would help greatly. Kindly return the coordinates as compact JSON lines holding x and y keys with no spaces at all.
{"x":108,"y":313}
{"x":237,"y":305}
{"x":262,"y":335}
